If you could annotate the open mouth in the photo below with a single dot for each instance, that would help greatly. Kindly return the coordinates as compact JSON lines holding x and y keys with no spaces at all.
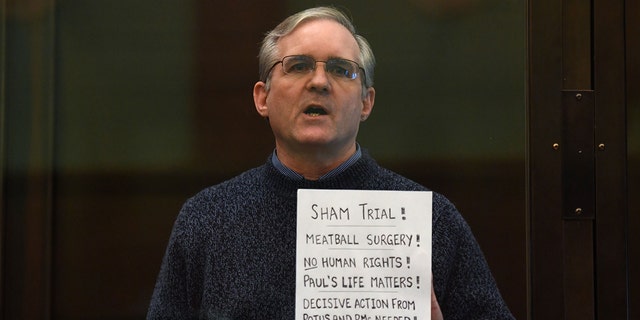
{"x":315,"y":111}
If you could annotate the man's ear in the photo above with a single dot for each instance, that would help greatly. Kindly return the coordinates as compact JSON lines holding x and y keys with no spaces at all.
{"x":260,"y":94}
{"x":367,"y":103}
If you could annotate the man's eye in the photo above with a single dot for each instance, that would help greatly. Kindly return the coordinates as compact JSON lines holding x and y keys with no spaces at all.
{"x":298,"y":67}
{"x":341,"y":70}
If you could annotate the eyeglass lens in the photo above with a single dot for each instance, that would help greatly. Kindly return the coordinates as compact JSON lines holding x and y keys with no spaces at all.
{"x":339,"y":68}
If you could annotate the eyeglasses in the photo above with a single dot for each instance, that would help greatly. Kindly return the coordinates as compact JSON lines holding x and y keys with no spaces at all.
{"x":337,"y":67}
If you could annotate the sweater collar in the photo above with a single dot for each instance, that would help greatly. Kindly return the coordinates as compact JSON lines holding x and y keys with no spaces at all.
{"x":335,"y":172}
{"x":352,"y":177}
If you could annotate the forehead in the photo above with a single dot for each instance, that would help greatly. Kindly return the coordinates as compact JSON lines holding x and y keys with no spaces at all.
{"x":321,"y":39}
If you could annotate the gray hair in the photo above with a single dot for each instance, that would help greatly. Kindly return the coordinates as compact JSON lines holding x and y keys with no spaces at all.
{"x":269,"y":50}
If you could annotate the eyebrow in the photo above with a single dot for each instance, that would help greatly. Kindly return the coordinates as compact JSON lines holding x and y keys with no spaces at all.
{"x":328,"y":58}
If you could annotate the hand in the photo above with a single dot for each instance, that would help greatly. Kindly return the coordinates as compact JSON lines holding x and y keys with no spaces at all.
{"x":436,"y":313}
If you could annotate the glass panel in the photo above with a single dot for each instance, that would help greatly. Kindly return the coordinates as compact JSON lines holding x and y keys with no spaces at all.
{"x":450,"y":113}
{"x":124,"y":130}
{"x":26,"y":154}
{"x":154,"y":103}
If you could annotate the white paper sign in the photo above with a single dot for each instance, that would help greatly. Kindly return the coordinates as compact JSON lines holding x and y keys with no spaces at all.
{"x":363,"y":255}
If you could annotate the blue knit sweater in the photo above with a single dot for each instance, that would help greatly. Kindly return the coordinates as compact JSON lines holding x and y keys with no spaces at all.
{"x":231,"y":254}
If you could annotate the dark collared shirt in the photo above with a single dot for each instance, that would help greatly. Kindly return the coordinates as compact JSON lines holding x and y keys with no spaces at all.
{"x":296,"y":176}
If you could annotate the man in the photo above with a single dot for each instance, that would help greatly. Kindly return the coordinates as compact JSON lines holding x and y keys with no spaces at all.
{"x":232,"y":251}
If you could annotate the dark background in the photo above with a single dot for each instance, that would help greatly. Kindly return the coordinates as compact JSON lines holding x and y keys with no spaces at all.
{"x":117,"y":111}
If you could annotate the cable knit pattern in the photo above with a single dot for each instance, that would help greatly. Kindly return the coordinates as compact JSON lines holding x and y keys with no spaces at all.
{"x":231,"y":254}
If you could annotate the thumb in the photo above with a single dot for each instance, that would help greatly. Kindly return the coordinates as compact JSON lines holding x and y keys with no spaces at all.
{"x":436,"y":313}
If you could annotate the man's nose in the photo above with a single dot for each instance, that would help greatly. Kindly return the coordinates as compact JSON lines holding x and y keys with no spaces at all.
{"x":319,"y":78}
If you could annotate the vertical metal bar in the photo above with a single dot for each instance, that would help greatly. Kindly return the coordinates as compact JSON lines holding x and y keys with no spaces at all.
{"x":561,"y":160}
{"x":611,"y":155}
{"x":578,"y":156}
{"x":579,"y":270}
{"x":578,"y":204}
{"x":632,"y":79}
{"x":578,"y":168}
{"x":544,"y":136}
{"x":3,"y":40}
{"x":576,"y":44}
{"x":29,"y":163}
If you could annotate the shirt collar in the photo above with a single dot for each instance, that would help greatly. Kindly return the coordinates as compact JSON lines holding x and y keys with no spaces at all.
{"x":296,"y":176}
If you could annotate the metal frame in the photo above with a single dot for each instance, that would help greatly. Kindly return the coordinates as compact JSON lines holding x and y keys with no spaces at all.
{"x":577,"y":160}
